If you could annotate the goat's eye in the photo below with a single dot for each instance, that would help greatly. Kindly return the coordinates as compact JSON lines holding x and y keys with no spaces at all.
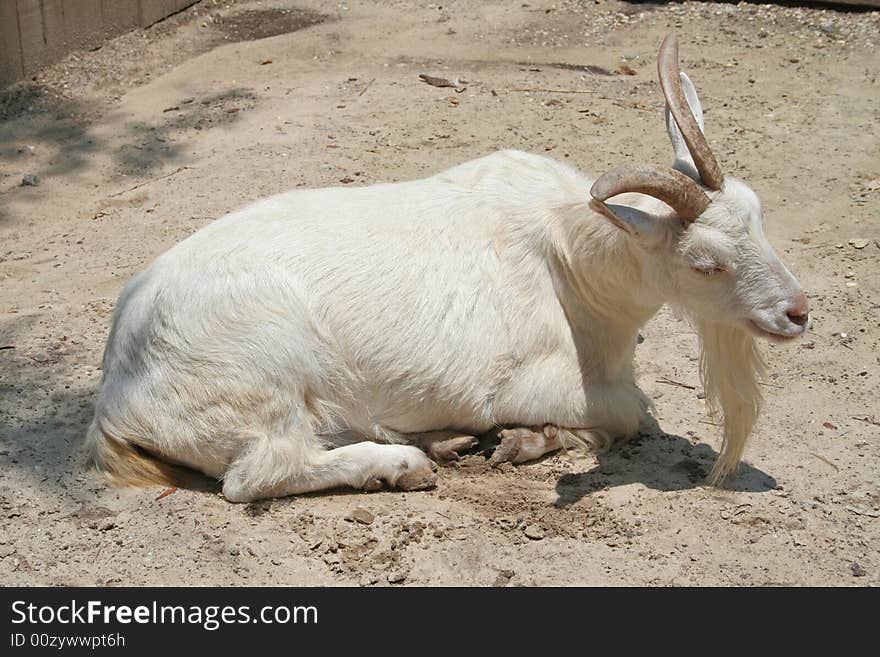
{"x":709,"y":271}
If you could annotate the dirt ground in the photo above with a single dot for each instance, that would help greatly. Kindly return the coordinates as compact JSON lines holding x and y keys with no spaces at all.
{"x":138,"y":144}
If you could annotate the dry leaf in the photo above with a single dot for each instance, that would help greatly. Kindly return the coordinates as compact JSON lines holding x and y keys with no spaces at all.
{"x":436,"y":82}
{"x":166,"y":492}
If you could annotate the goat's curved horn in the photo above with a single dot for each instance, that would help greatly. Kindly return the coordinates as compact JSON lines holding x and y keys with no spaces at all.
{"x":670,"y":82}
{"x":675,"y":189}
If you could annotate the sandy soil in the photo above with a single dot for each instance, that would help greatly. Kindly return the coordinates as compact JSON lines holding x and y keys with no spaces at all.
{"x":142,"y":142}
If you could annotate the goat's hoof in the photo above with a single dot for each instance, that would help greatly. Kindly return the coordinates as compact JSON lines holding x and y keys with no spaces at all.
{"x":417,"y":474}
{"x":409,"y":469}
{"x":446,"y":452}
{"x":517,"y":446}
{"x":506,"y":452}
{"x":417,"y":481}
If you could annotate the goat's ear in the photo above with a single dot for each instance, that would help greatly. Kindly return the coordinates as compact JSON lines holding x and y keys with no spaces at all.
{"x":641,"y":225}
{"x":683,"y":160}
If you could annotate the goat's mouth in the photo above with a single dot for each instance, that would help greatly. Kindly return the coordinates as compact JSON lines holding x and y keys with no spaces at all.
{"x":776,"y":335}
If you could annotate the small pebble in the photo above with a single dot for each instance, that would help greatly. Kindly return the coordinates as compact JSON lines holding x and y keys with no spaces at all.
{"x":534,"y":532}
{"x":504,"y":577}
{"x":361,"y":515}
{"x":857,"y":570}
{"x":29,"y":180}
{"x":397,"y":576}
{"x":858,"y":243}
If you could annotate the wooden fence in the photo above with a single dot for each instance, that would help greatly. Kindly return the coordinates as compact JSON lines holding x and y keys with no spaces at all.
{"x":34,"y":33}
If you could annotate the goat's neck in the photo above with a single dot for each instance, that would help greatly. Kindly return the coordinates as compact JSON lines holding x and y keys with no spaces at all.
{"x":607,"y":288}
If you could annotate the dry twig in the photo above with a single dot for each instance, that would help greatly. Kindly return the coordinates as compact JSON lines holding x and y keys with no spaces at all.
{"x":556,"y":91}
{"x":147,"y":182}
{"x":824,"y":460}
{"x":677,"y":384}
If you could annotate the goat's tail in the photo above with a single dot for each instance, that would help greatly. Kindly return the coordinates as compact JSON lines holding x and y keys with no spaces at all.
{"x":126,"y":464}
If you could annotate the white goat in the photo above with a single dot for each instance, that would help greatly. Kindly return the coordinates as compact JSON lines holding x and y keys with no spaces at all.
{"x":263,"y":348}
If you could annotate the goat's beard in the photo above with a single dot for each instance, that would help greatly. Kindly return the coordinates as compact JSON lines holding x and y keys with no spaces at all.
{"x":730,"y":365}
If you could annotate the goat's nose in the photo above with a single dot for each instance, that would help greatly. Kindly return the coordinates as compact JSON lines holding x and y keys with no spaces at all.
{"x":799,"y":311}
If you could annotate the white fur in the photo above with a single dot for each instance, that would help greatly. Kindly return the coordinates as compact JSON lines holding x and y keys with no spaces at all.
{"x":488,"y":294}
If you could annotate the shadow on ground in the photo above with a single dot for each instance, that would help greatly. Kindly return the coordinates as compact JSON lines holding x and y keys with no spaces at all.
{"x":154,"y":144}
{"x":659,"y":461}
{"x":36,"y":121}
{"x":44,"y":411}
{"x":46,"y":442}
{"x":51,"y":136}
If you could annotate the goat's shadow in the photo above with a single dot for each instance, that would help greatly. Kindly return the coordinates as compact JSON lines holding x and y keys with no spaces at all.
{"x":659,"y":461}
